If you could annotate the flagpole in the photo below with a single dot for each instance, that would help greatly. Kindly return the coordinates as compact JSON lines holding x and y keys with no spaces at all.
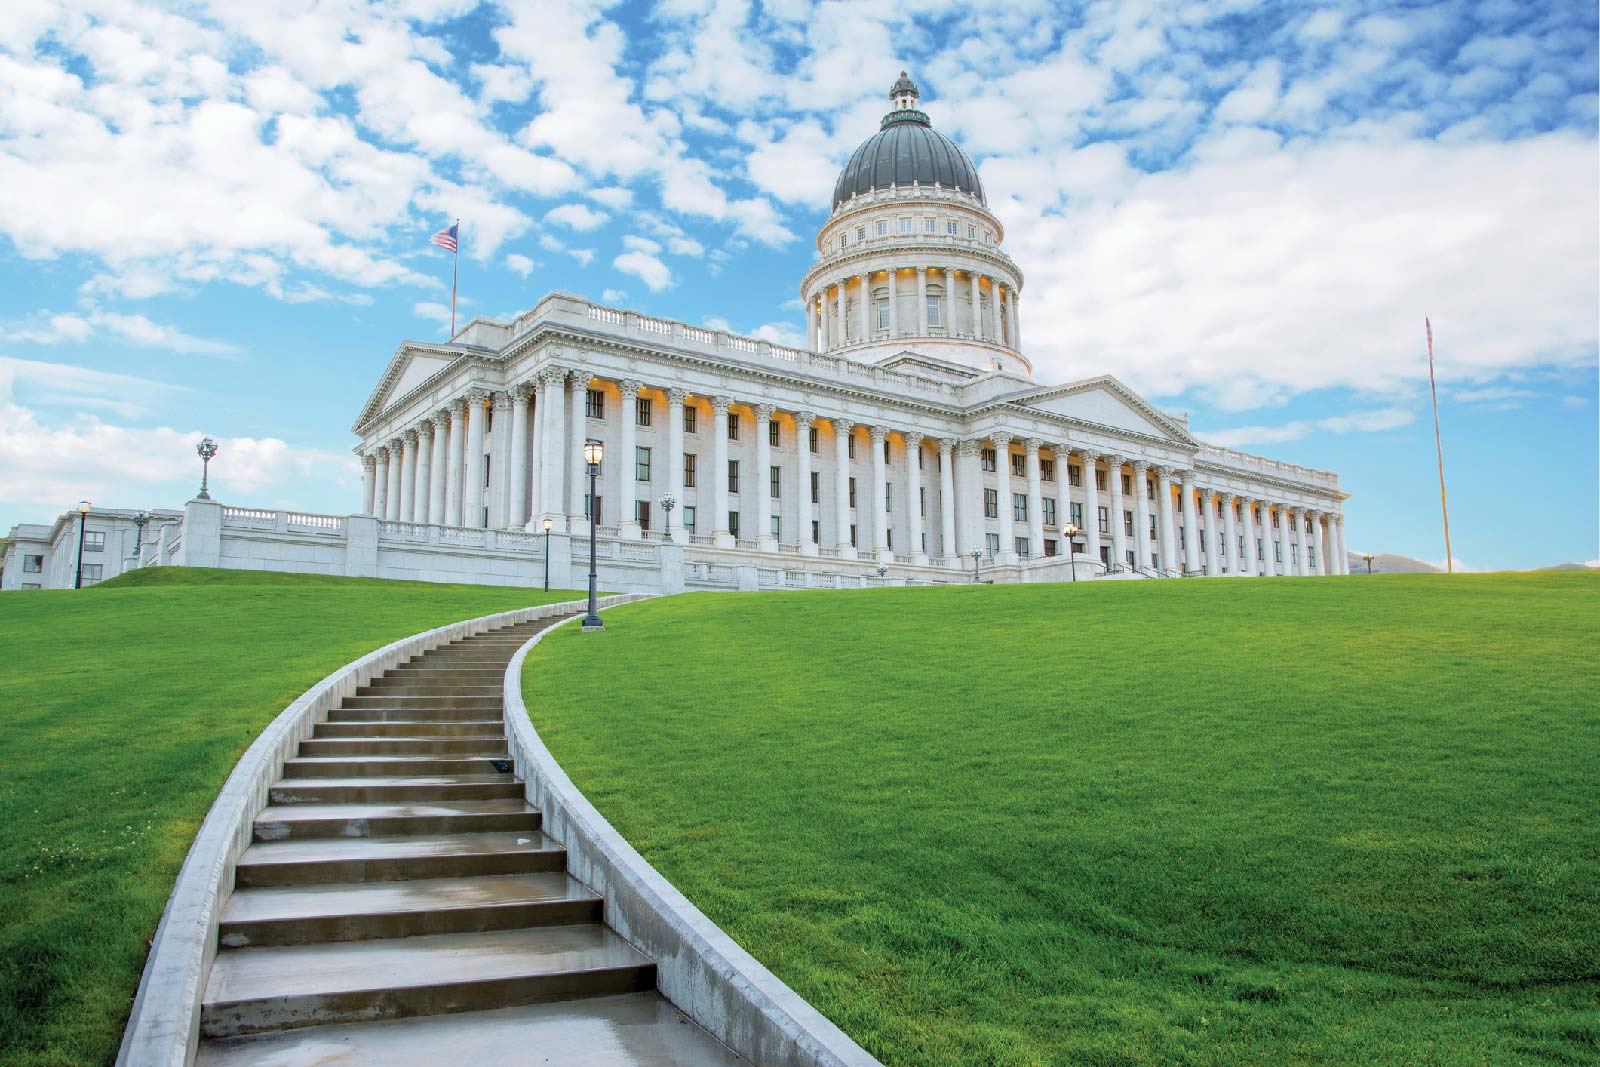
{"x":1438,"y":444}
{"x":455,"y":264}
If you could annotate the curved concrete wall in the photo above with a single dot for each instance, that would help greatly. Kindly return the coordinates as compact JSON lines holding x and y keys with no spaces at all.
{"x":164,"y":1027}
{"x":699,"y":968}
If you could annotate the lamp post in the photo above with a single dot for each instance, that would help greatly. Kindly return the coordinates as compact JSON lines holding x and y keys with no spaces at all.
{"x":667,"y":502}
{"x":977,"y":554}
{"x":1369,"y":562}
{"x":1072,"y":529}
{"x":883,"y":569}
{"x":593,"y":453}
{"x":83,"y":517}
{"x":547,"y":524}
{"x":139,"y":522}
{"x":207,"y":451}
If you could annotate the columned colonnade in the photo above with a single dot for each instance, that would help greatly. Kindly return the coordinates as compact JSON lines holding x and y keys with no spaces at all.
{"x":842,"y":312}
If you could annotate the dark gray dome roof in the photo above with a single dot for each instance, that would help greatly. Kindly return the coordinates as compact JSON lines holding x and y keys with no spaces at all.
{"x":907,"y":149}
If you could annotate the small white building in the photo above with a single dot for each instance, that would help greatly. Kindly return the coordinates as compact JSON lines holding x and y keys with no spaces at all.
{"x":46,"y":557}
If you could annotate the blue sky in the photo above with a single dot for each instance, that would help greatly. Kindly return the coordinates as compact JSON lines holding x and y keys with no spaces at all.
{"x":214,"y":219}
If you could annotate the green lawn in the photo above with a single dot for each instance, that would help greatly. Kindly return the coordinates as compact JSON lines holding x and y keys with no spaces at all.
{"x":1299,"y":821}
{"x":122,"y":709}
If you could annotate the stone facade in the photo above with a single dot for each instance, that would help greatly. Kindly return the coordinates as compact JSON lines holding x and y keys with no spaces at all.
{"x":46,"y":557}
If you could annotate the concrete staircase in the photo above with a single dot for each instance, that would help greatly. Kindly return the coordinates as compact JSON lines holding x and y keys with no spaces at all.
{"x":400,"y":905}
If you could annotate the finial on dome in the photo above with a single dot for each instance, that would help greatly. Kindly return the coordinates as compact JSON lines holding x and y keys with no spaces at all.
{"x":904,"y":93}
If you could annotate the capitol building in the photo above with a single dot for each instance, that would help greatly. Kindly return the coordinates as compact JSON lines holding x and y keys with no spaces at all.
{"x":907,"y":440}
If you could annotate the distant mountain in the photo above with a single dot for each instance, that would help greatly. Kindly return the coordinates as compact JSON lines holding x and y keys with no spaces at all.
{"x":1389,"y":563}
{"x":1571,"y":567}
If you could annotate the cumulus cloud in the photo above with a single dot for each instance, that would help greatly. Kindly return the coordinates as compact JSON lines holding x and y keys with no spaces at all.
{"x":655,"y":274}
{"x":1369,"y":421}
{"x":575,"y":216}
{"x":520,"y":263}
{"x":50,"y":328}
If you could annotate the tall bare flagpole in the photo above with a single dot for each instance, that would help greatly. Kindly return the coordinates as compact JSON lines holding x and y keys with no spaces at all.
{"x":1449,"y":560}
{"x":455,"y":263}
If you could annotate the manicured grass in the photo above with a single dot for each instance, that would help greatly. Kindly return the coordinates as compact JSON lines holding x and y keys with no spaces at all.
{"x":122,"y":709}
{"x":1296,"y":821}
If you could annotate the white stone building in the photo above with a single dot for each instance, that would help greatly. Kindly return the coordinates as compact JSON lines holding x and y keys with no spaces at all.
{"x":910,"y":432}
{"x":46,"y":557}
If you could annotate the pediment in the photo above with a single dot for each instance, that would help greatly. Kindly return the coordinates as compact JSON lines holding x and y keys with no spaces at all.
{"x":409,"y":368}
{"x":1107,"y":402}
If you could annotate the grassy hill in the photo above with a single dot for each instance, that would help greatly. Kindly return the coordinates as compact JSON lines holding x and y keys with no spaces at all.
{"x":1225,"y":822}
{"x":122,"y":709}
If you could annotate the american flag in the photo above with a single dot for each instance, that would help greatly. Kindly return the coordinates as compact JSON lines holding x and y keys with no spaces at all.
{"x":446,"y":238}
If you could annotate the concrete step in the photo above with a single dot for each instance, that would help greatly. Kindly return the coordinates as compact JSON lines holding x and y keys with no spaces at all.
{"x":368,"y":911}
{"x":256,"y":989}
{"x":480,"y":727}
{"x":440,"y":672}
{"x":395,"y":789}
{"x":399,"y":746}
{"x":402,"y":687}
{"x":303,"y":767}
{"x":346,"y":821}
{"x":408,"y":714}
{"x":626,"y":1030}
{"x":494,"y":701}
{"x":319,"y":861}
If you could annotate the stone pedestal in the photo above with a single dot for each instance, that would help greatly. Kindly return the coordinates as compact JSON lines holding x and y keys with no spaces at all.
{"x":361,"y":546}
{"x":202,"y":535}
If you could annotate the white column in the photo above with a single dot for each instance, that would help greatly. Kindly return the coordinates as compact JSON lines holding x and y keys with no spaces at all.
{"x":1167,"y":522}
{"x":1230,"y":533}
{"x":1119,"y":536}
{"x":719,"y":472}
{"x":380,"y":482}
{"x":948,"y":307}
{"x":1141,"y":515}
{"x":1247,"y":518}
{"x":866,"y":307}
{"x":1317,"y":537}
{"x":1002,"y":481}
{"x":1268,"y":567}
{"x":454,"y":462}
{"x":977,"y":306}
{"x":408,"y":478}
{"x":1291,"y":568}
{"x":994,"y":309}
{"x":811,"y":322}
{"x":497,"y":494}
{"x":1191,"y":525}
{"x":922,"y":301}
{"x":626,"y":462}
{"x":947,"y":499}
{"x":1002,"y":322}
{"x":1306,"y":566}
{"x":1016,"y":323}
{"x":369,"y":483}
{"x":1091,"y":505}
{"x":577,"y":437}
{"x":968,"y":505}
{"x":421,"y":503}
{"x":1212,"y":551}
{"x":824,"y":335}
{"x":675,"y":399}
{"x":875,"y":505}
{"x":763,"y":471}
{"x":472,"y":472}
{"x":549,"y":478}
{"x":919,"y":555}
{"x":1341,"y":557}
{"x":1278,"y":543}
{"x":803,"y":505}
{"x":396,"y":469}
{"x":516,"y":517}
{"x":841,"y":487}
{"x":1035,"y":498}
{"x":843,"y":315}
{"x":894,"y":301}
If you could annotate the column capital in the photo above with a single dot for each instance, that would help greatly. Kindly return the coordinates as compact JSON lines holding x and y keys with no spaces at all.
{"x":502,"y":400}
{"x":369,"y":462}
{"x":764,"y":412}
{"x":475,"y":395}
{"x":804,"y":419}
{"x":945,"y":445}
{"x":1185,"y":475}
{"x":877,"y":433}
{"x":523,"y":390}
{"x":968,"y":446}
{"x":719,"y":405}
{"x":1001,"y":439}
{"x":553,"y":375}
{"x":458,"y":407}
{"x":410,"y":437}
{"x":676,"y":395}
{"x":398,"y":445}
{"x":1113,"y":460}
{"x":841,"y":425}
{"x":1090,"y":456}
{"x":629,"y":387}
{"x":441,"y":418}
{"x":913,"y":439}
{"x":1163,"y":472}
{"x":1140,"y":467}
{"x":1226,"y":497}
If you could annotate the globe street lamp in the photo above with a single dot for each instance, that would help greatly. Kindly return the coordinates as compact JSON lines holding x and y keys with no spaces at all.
{"x":547,"y":524}
{"x":1072,"y":529}
{"x":1369,"y":563}
{"x":668,"y":502}
{"x":139,"y":521}
{"x":207,"y":451}
{"x":977,"y":554}
{"x":593,"y":453}
{"x":83,"y":517}
{"x":883,"y":569}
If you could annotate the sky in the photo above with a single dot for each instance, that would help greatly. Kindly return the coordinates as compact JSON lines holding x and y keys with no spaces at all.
{"x":214,"y":219}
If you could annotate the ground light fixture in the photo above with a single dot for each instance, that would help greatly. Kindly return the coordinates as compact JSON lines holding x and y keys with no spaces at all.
{"x":883,"y":569}
{"x":593,"y":453}
{"x":207,"y":451}
{"x":83,"y":518}
{"x":547,"y":524}
{"x":1369,"y":563}
{"x":140,"y":521}
{"x":1072,"y":530}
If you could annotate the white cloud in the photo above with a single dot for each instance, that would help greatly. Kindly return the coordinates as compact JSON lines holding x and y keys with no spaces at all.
{"x":580,"y":217}
{"x":584,"y":256}
{"x":1370,"y":421}
{"x":614,"y":296}
{"x":49,"y":328}
{"x":641,"y":244}
{"x":655,"y":274}
{"x":520,"y":263}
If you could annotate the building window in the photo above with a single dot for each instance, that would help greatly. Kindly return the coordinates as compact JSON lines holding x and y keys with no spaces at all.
{"x":1100,"y":480}
{"x":486,"y":460}
{"x":775,"y":478}
{"x":972,"y":233}
{"x":853,"y":533}
{"x":1260,"y":552}
{"x":930,"y":225}
{"x":1049,"y":547}
{"x":641,"y":464}
{"x":1104,"y":519}
{"x":1127,"y":523}
{"x":594,"y":404}
{"x":816,"y":487}
{"x":850,"y":444}
{"x":952,"y":227}
{"x":1022,"y":547}
{"x":688,"y":419}
{"x":986,"y":458}
{"x":1149,"y":489}
{"x":733,"y":523}
{"x":813,"y":441}
{"x":733,"y":476}
{"x":883,"y":313}
{"x":1152,"y":527}
{"x":888,"y":497}
{"x":1274,"y":520}
{"x":733,"y":426}
{"x":905,"y":226}
{"x":688,"y":518}
{"x":1182,"y":543}
{"x":1047,"y":509}
{"x":993,"y":543}
{"x":641,"y":514}
{"x":31,"y":585}
{"x":991,"y":503}
{"x":598,"y":503}
{"x":861,"y":234}
{"x":883,"y":227}
{"x":816,"y":532}
{"x":1077,"y":514}
{"x":852,"y":492}
{"x":92,"y":572}
{"x":773,"y":433}
{"x":1074,"y":475}
{"x":886,"y":450}
{"x":777,"y":528}
{"x":1127,"y":483}
{"x":1047,"y":470}
{"x":1277,"y":552}
{"x":688,"y":470}
{"x":32,"y":564}
{"x":1018,"y":464}
{"x":1019,"y":507}
{"x":888,"y":537}
{"x":94,"y":541}
{"x":641,"y":411}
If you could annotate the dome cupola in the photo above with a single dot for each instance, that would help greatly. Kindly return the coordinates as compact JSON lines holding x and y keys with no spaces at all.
{"x":907,"y":150}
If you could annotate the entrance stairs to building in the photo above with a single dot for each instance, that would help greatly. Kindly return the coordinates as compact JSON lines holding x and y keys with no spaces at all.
{"x":400,"y":905}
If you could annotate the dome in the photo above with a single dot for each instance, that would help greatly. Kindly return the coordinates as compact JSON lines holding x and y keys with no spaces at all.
{"x":907,"y":149}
